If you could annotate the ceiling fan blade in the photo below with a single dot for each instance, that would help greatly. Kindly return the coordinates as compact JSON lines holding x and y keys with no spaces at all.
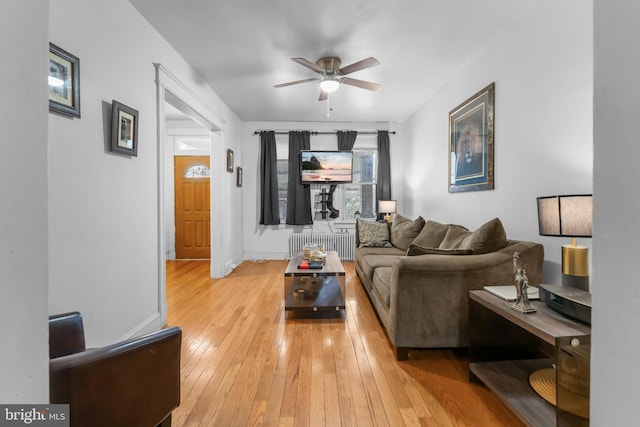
{"x":309,"y":64}
{"x":323,"y":95}
{"x":295,"y":83}
{"x":360,"y":83}
{"x":360,"y":65}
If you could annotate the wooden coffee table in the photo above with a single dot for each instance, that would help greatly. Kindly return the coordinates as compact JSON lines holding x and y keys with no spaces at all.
{"x":314,"y":290}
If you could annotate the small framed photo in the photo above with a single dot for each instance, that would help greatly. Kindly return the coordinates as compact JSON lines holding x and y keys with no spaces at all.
{"x":229,"y":160}
{"x":238,"y":176}
{"x":124,"y":129}
{"x":64,"y":82}
{"x":471,"y":144}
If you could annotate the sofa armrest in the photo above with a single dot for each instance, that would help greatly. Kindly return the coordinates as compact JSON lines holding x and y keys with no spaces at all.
{"x":430,"y":292}
{"x":134,"y":382}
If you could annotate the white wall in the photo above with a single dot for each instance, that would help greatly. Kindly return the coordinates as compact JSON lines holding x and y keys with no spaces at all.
{"x":615,"y":352}
{"x":272,"y":242}
{"x":24,"y":358}
{"x":104,"y":208}
{"x":543,"y":127}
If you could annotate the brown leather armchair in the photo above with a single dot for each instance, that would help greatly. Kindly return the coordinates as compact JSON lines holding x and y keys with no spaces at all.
{"x":130,"y":383}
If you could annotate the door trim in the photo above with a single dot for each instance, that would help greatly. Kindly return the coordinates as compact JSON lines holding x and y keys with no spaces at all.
{"x":170,"y":89}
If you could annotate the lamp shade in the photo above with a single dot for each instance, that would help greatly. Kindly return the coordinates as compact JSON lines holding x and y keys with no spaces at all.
{"x":387,"y":206}
{"x":565,"y":216}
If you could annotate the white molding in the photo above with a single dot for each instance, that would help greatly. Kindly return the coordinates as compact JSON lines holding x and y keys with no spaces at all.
{"x":171,"y":83}
{"x":150,"y":324}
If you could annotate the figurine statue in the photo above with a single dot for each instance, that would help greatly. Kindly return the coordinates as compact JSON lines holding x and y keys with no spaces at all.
{"x":522,"y":283}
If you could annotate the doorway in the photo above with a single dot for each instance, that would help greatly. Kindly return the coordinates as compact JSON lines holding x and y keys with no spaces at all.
{"x":192,"y":178}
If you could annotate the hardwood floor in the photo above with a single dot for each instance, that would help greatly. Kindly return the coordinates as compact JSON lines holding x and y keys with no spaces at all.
{"x":244,"y":362}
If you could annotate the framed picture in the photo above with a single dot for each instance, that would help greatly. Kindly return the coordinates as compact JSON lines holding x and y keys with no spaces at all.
{"x":471,"y":144}
{"x":238,"y":176}
{"x":229,"y":160}
{"x":64,"y":82}
{"x":124,"y":129}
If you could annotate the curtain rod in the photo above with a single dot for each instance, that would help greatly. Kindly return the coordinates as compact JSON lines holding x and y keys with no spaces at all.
{"x":313,"y":132}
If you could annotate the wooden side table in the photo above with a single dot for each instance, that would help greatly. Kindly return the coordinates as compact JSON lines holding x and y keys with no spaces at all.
{"x":506,"y":346}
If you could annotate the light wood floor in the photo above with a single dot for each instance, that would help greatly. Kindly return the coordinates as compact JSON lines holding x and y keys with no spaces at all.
{"x":244,"y":362}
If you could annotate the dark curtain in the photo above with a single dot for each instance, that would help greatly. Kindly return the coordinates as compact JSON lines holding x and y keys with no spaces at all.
{"x":346,"y":139}
{"x":269,"y":205}
{"x":298,"y":195}
{"x":383,"y":181}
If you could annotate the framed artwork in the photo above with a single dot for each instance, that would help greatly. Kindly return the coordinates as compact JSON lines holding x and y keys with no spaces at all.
{"x":229,"y":160}
{"x":471,"y":144}
{"x":64,"y":82}
{"x":124,"y":129}
{"x":238,"y":176}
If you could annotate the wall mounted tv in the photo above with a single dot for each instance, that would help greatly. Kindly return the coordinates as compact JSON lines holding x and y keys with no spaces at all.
{"x":333,"y":167}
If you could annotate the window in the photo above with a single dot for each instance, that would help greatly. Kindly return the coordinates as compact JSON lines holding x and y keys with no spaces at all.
{"x":283,"y":180}
{"x":360,"y":195}
{"x":197,"y":171}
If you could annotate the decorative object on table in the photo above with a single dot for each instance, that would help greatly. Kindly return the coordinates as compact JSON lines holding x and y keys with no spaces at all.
{"x":569,"y":216}
{"x":471,"y":143}
{"x":567,"y":384}
{"x":387,"y":207}
{"x":124,"y":129}
{"x":229,"y":160}
{"x":238,"y":176}
{"x":64,"y":82}
{"x":522,"y":303}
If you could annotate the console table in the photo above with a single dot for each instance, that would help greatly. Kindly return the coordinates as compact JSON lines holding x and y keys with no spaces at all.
{"x":506,"y":346}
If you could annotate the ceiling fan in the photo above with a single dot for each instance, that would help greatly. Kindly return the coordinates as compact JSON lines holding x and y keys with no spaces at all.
{"x":332,"y":75}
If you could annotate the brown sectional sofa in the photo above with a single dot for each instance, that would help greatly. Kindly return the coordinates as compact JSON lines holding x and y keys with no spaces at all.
{"x":420,"y":289}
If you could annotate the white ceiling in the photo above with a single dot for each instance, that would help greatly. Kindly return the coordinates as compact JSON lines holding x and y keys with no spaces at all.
{"x":242,"y":48}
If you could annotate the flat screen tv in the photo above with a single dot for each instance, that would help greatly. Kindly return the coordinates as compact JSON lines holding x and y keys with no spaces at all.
{"x":332,"y":167}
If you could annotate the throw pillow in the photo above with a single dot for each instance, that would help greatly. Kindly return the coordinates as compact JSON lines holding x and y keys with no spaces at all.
{"x":489,"y":237}
{"x":373,"y":234}
{"x":431,"y":234}
{"x":421,"y":250}
{"x":454,"y":236}
{"x":404,"y":231}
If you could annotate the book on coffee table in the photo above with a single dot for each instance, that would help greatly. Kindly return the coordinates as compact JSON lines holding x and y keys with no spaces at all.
{"x":310,"y":265}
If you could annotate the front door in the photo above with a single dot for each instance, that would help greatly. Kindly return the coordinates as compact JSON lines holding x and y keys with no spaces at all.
{"x":193,"y":218}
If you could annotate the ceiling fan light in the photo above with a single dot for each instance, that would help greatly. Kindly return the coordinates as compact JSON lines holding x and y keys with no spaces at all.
{"x":329,"y":85}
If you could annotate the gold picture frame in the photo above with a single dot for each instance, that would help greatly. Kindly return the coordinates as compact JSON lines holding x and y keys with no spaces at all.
{"x":471,"y":143}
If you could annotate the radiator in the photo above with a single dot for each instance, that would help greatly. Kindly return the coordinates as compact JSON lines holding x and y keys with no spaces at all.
{"x":343,"y":243}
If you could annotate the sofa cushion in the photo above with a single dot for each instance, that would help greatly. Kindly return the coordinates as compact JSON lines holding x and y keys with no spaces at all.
{"x":373,"y":234}
{"x":404,"y":231}
{"x":489,"y":237}
{"x":454,"y":236}
{"x":369,"y":263}
{"x":431,"y":234}
{"x":382,"y":284}
{"x":421,"y":250}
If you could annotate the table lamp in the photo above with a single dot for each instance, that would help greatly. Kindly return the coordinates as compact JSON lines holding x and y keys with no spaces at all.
{"x":569,"y":216}
{"x":387,"y":207}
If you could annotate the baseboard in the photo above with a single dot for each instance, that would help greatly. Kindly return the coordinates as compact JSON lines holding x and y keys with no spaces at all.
{"x":151,"y":324}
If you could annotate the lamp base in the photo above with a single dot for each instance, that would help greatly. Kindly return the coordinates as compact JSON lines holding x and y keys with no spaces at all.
{"x":387,"y":217}
{"x":575,"y":266}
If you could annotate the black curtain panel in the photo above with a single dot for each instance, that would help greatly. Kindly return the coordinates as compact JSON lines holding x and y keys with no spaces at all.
{"x":298,"y":195}
{"x":346,"y":139}
{"x":269,"y":207}
{"x":383,"y":191}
